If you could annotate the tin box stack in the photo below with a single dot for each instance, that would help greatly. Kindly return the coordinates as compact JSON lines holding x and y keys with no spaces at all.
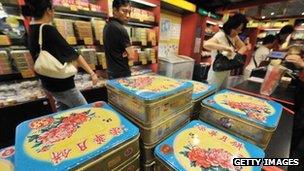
{"x":150,"y":54}
{"x":158,"y":105}
{"x":101,"y":58}
{"x":7,"y":160}
{"x":22,"y":59}
{"x":199,"y":146}
{"x":65,"y":28}
{"x":200,"y":91}
{"x":5,"y":65}
{"x":90,"y":137}
{"x":98,"y":26}
{"x":250,"y":118}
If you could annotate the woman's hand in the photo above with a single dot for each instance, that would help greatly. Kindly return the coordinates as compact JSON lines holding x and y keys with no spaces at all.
{"x":94,"y":78}
{"x":295,"y":59}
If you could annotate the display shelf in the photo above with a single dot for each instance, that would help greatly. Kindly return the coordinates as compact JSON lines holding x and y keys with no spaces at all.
{"x":138,"y":23}
{"x":67,"y":12}
{"x":149,"y":44}
{"x":180,"y":7}
{"x":142,"y":4}
{"x":138,"y":63}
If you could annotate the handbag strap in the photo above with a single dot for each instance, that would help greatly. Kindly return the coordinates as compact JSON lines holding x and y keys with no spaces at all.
{"x":40,"y":35}
{"x":229,"y":41}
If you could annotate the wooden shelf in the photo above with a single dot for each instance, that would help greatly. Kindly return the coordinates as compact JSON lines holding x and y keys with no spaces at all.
{"x":149,"y":44}
{"x":138,"y":23}
{"x":67,"y":12}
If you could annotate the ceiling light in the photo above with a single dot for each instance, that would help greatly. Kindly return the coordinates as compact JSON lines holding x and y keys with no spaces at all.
{"x":302,"y":13}
{"x":263,"y":17}
{"x":272,"y":13}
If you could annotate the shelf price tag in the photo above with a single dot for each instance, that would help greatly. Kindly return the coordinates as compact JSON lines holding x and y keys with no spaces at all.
{"x":28,"y":73}
{"x":88,"y":41}
{"x":153,"y":61}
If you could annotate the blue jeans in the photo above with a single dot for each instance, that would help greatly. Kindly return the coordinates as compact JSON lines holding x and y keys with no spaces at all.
{"x":69,"y":99}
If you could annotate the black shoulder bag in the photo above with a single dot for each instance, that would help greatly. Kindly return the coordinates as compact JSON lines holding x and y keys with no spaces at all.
{"x":222,"y":63}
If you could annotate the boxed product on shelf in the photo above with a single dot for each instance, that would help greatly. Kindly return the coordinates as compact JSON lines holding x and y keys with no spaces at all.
{"x":65,"y":3}
{"x":199,"y":146}
{"x":5,"y":65}
{"x":65,"y":28}
{"x":139,"y":70}
{"x":142,"y":15}
{"x":23,"y":59}
{"x":200,"y":91}
{"x":15,"y":93}
{"x":95,"y":8}
{"x":176,"y":66}
{"x":82,"y":4}
{"x":151,"y":36}
{"x":89,"y":137}
{"x":7,"y":161}
{"x":150,"y":54}
{"x":98,"y":26}
{"x":248,"y":117}
{"x":84,"y":31}
{"x":89,"y":55}
{"x":102,"y":61}
{"x":149,"y":98}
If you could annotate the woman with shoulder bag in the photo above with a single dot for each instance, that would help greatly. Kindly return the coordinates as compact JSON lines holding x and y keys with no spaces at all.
{"x":48,"y":46}
{"x":227,"y":50}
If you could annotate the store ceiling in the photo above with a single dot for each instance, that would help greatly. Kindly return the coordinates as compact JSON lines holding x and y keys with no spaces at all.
{"x":255,"y":8}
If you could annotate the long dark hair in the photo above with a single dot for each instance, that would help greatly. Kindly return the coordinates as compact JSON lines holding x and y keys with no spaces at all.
{"x":234,"y":22}
{"x":36,"y":8}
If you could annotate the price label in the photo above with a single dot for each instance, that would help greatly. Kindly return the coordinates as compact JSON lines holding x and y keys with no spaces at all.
{"x":131,"y":63}
{"x":88,"y":41}
{"x":72,"y":40}
{"x":28,"y":73}
{"x":153,"y":43}
{"x":153,"y":61}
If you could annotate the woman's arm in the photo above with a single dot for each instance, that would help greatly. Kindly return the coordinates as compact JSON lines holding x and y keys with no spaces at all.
{"x":83,"y":64}
{"x":213,"y":44}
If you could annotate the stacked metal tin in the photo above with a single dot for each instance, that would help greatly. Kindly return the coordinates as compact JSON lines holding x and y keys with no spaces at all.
{"x":157,"y":105}
{"x":90,"y":137}
{"x":200,"y":91}
{"x":247,"y":117}
{"x":7,"y":160}
{"x":199,"y":146}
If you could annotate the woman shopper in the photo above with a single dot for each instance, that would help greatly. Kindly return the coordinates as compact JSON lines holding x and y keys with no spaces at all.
{"x":63,"y":90}
{"x":221,"y":42}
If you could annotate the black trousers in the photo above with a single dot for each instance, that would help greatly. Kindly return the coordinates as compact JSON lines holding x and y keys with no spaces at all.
{"x":297,"y":142}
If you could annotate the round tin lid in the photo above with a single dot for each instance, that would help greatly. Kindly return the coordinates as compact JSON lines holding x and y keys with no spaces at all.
{"x":67,"y":139}
{"x":199,"y":146}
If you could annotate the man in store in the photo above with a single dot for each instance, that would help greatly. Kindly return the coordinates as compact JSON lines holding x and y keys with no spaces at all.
{"x":297,"y":143}
{"x":116,"y":40}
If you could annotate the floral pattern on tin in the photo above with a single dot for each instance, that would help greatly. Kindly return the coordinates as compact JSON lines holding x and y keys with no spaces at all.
{"x":254,"y":111}
{"x":209,"y":159}
{"x":60,"y":129}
